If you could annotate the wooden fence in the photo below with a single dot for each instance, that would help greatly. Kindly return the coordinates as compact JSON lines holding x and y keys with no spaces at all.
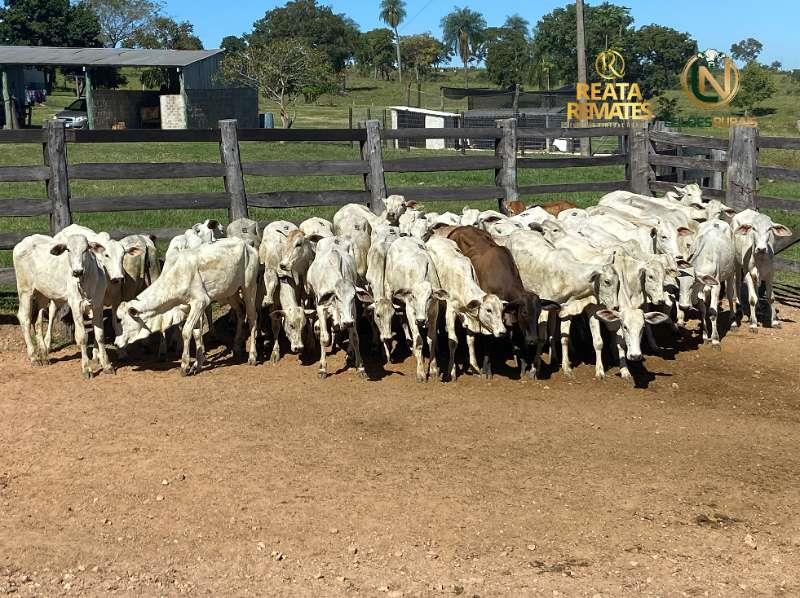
{"x":56,"y":172}
{"x":735,"y":158}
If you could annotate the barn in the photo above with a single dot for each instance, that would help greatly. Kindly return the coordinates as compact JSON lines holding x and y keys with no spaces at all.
{"x":198,"y":100}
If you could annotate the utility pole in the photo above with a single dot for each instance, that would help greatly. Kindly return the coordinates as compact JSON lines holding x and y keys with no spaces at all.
{"x":581,"y":48}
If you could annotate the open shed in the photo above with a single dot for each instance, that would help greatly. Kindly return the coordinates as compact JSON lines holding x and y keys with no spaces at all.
{"x":201,"y":101}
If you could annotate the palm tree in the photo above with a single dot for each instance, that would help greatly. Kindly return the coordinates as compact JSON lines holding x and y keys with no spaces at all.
{"x":463,"y":31}
{"x":392,"y":13}
{"x":581,"y":48}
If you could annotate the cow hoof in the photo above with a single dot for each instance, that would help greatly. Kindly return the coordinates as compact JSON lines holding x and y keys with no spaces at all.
{"x":600,"y":376}
{"x":421,"y":379}
{"x":109,"y":370}
{"x":87,"y":375}
{"x":274,"y":358}
{"x":322,"y":374}
{"x":776,"y":323}
{"x":569,"y":375}
{"x":716,"y":345}
{"x":252,"y":360}
{"x":628,"y":379}
{"x":753,"y":329}
{"x":361,"y":373}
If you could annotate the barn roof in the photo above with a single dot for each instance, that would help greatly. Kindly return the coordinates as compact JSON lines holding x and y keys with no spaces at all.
{"x":48,"y":56}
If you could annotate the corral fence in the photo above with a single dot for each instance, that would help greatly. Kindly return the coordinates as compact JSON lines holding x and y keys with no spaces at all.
{"x":640,"y":159}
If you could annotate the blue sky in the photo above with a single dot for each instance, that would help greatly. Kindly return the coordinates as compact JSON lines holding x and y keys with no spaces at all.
{"x":713,"y":23}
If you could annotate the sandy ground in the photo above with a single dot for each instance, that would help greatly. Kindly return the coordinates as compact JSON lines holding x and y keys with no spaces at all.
{"x":268,"y":481}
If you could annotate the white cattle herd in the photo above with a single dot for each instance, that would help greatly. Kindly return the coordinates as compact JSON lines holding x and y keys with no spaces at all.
{"x":629,"y":263}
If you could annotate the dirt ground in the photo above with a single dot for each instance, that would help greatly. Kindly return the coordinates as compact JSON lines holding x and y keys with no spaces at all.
{"x":268,"y":481}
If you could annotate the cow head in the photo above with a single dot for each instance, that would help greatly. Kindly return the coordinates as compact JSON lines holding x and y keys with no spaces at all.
{"x":294,"y":321}
{"x":469,"y":216}
{"x":395,"y":205}
{"x":135,"y":326}
{"x":606,"y":284}
{"x":209,"y":230}
{"x":653,"y":276}
{"x":80,"y":253}
{"x":629,"y":323}
{"x":113,"y":257}
{"x":297,"y":246}
{"x":674,"y":241}
{"x":691,"y":285}
{"x":762,"y":231}
{"x":489,"y":313}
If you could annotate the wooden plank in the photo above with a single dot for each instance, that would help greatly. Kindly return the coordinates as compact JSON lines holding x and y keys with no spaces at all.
{"x":144,"y":170}
{"x":742,"y":167}
{"x":680,"y":139}
{"x":302,"y":134}
{"x":779,"y":142}
{"x":576,"y":162}
{"x":24,"y":207}
{"x":778,"y":203}
{"x":667,"y":186}
{"x":7,"y":277}
{"x":234,"y":179}
{"x":372,"y":154}
{"x":297,"y":199}
{"x":787,"y":265}
{"x":161,"y":234}
{"x":716,"y":177}
{"x":444,"y":133}
{"x":169,"y":201}
{"x":639,"y":169}
{"x":8,"y":240}
{"x":505,"y":175}
{"x":142,"y":135}
{"x":55,"y":157}
{"x":441,"y":164}
{"x":304,"y":167}
{"x":778,"y":173}
{"x":13,"y":174}
{"x":22,"y":136}
{"x":570,"y":132}
{"x":602,"y":186}
{"x":688,"y":162}
{"x":783,"y":243}
{"x":424,"y":193}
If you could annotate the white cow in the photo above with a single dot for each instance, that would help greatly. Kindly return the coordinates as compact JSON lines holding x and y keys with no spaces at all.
{"x":247,"y":230}
{"x":316,"y":227}
{"x":270,"y":252}
{"x":354,"y":222}
{"x":411,"y":278}
{"x":213,"y":272}
{"x":207,"y":231}
{"x":482,"y":313}
{"x":67,"y":271}
{"x":332,"y":279}
{"x":754,"y":239}
{"x":711,"y":264}
{"x":381,"y":309}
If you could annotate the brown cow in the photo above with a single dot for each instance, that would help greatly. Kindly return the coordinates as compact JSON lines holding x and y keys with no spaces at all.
{"x":556,"y":207}
{"x":498,"y":274}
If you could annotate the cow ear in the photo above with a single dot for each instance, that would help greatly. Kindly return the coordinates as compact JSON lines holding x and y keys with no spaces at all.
{"x":683,"y":264}
{"x":473,"y":306}
{"x":655,"y":317}
{"x":58,"y":249}
{"x":440,"y":294}
{"x":536,"y":226}
{"x":548,"y":305}
{"x":608,"y":316}
{"x":212,"y":224}
{"x":410,"y":203}
{"x":781,"y":230}
{"x":96,"y":247}
{"x":314,"y":238}
{"x":134,"y":251}
{"x":152,"y":237}
{"x":743,"y":229}
{"x":465,"y":209}
{"x":707,"y":279}
{"x":133,"y":311}
{"x":277,"y":315}
{"x":364,"y":295}
{"x":683,"y":231}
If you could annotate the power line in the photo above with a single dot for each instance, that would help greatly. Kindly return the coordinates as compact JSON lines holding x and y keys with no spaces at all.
{"x":419,"y":12}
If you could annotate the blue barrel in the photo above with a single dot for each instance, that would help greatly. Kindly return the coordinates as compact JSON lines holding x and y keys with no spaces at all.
{"x":266,"y":120}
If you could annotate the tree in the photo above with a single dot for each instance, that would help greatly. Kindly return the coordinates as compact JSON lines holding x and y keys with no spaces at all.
{"x":747,"y":50}
{"x":463,"y":31}
{"x":164,"y":34}
{"x":282,"y":70}
{"x":232,"y":44}
{"x":375,"y":52}
{"x":121,"y":19}
{"x":318,"y":27}
{"x":509,"y":56}
{"x":422,"y":51}
{"x":661,"y":53}
{"x":605,"y":26}
{"x":48,"y":23}
{"x":776,"y":65}
{"x":756,"y":84}
{"x":392,"y":13}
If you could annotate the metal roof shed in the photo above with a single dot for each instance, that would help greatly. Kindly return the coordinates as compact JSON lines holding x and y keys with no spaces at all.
{"x":196,"y":67}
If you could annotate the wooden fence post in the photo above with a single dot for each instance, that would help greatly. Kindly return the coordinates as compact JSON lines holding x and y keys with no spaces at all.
{"x":55,"y":156}
{"x":717,"y":155}
{"x":234,"y":179}
{"x":505,"y":149}
{"x":639,"y":169}
{"x":374,"y":180}
{"x":742,"y":167}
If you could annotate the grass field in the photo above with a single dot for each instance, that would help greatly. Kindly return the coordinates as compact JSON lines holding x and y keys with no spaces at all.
{"x":778,"y":117}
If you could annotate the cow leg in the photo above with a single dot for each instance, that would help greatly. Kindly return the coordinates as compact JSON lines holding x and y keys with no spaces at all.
{"x":199,"y":346}
{"x":730,"y":292}
{"x":713,"y":314}
{"x":48,"y":336}
{"x":354,"y":346}
{"x":80,"y":338}
{"x":251,"y":308}
{"x":193,"y":322}
{"x":433,"y":317}
{"x":162,"y":347}
{"x":565,"y":365}
{"x":324,"y":341}
{"x":473,"y":359}
{"x":452,"y":339}
{"x":99,"y":338}
{"x":237,"y":309}
{"x":275,"y":356}
{"x":624,"y":372}
{"x":651,"y":339}
{"x":752,"y":299}
{"x":703,"y":308}
{"x":770,"y":297}
{"x":597,"y":342}
{"x":209,"y":319}
{"x":43,"y":359}
{"x":24,"y":318}
{"x":416,"y":342}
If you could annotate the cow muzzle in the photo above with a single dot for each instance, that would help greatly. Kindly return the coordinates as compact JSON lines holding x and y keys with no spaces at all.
{"x":635,"y":357}
{"x":117,"y":280}
{"x":77,"y":273}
